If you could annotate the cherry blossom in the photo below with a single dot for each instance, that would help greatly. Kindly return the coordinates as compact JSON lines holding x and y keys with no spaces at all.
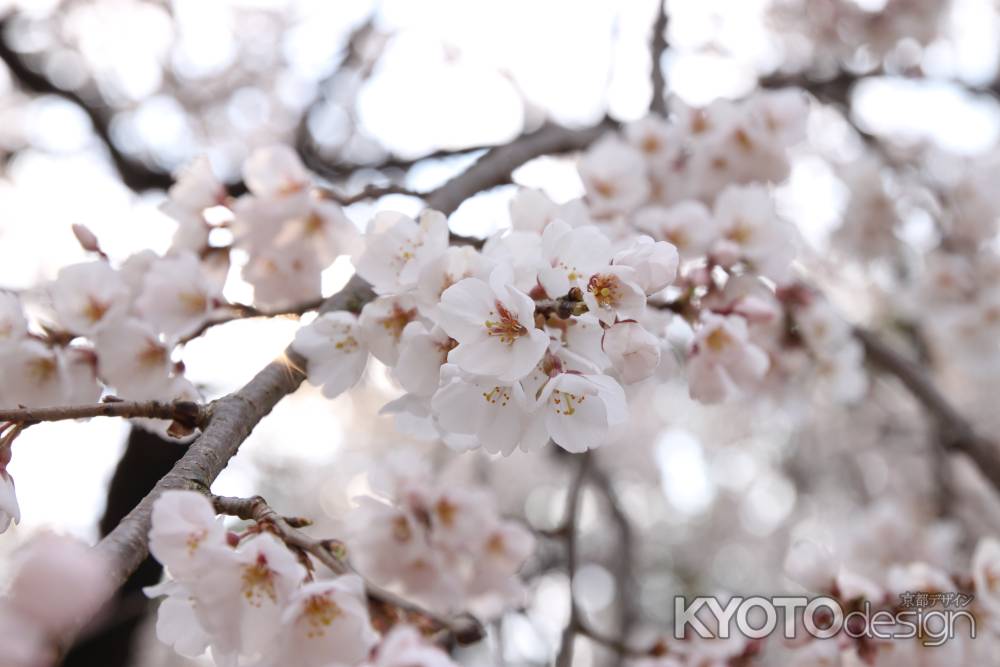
{"x":614,"y":293}
{"x":9,"y":508}
{"x":612,"y":172}
{"x":475,"y":405}
{"x":177,"y":296}
{"x":35,"y":374}
{"x":986,"y":574}
{"x":134,"y":360}
{"x":13,"y":325}
{"x":494,"y":326}
{"x":334,"y":349}
{"x":59,"y":581}
{"x":404,"y":647}
{"x":396,"y":248}
{"x":571,"y":256}
{"x":87,"y":297}
{"x":327,"y":624}
{"x":186,"y":535}
{"x":382,"y":322}
{"x":274,"y":172}
{"x":421,"y":355}
{"x":654,"y":263}
{"x":687,"y":225}
{"x":724,"y":362}
{"x":634,"y":352}
{"x":284,"y":276}
{"x":578,"y":412}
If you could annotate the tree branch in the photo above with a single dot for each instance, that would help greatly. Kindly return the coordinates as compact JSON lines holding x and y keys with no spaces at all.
{"x":657,"y":47}
{"x":624,"y":561}
{"x":370,"y":191}
{"x":242,"y":311}
{"x":187,"y":413}
{"x":134,"y":173}
{"x":957,"y":433}
{"x":495,"y":166}
{"x":569,"y":528}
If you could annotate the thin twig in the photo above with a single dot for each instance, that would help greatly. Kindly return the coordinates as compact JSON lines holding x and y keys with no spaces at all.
{"x":495,"y":166}
{"x":657,"y":48}
{"x":569,"y":528}
{"x":241,"y":311}
{"x":370,"y":191}
{"x":187,"y":413}
{"x":957,"y":433}
{"x":624,"y":561}
{"x":465,"y":629}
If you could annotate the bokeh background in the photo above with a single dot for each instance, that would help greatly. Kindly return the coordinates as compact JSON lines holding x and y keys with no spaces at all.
{"x":101,"y":100}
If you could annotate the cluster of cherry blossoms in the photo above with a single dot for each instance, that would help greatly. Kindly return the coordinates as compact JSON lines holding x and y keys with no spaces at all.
{"x":108,"y":327}
{"x":117,"y":323}
{"x":250,"y":600}
{"x":443,"y":545}
{"x":534,"y":335}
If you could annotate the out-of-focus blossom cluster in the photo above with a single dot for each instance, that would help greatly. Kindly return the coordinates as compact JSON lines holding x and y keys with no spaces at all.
{"x":838,"y":31}
{"x":251,"y":601}
{"x":59,"y":584}
{"x":441,"y":543}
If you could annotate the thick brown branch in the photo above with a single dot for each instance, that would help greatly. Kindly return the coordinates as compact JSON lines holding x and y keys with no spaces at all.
{"x":187,"y":413}
{"x":495,"y":166}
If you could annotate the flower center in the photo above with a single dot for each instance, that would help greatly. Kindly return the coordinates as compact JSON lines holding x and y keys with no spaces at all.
{"x":604,"y":188}
{"x":401,"y":529}
{"x":95,"y":309}
{"x":320,"y":612}
{"x":506,"y":326}
{"x":605,"y":288}
{"x":446,"y":511}
{"x":42,"y":369}
{"x":314,"y":224}
{"x":258,"y":582}
{"x":563,"y":402}
{"x":651,"y":144}
{"x":193,"y":540}
{"x":152,"y":354}
{"x":193,"y":302}
{"x":347,"y":342}
{"x":495,"y":545}
{"x":397,"y":320}
{"x":678,"y":237}
{"x":497,"y":395}
{"x":740,"y":232}
{"x":718,"y":340}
